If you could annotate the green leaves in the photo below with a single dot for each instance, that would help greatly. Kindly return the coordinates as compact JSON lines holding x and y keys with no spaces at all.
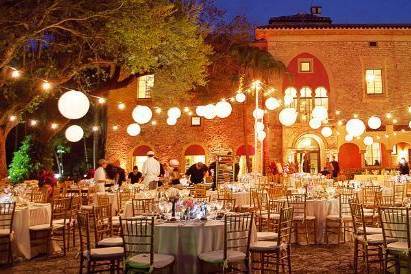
{"x":21,"y":165}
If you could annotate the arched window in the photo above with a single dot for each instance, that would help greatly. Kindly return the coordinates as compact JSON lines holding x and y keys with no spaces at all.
{"x":194,"y":154}
{"x":292,"y":92}
{"x":306,"y":103}
{"x":373,"y":155}
{"x":321,"y":98}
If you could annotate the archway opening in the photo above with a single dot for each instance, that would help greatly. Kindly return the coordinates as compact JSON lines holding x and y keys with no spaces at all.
{"x":399,"y":151}
{"x":307,"y":154}
{"x":194,"y":154}
{"x":349,"y":156}
{"x":140,"y":156}
{"x":242,"y":152}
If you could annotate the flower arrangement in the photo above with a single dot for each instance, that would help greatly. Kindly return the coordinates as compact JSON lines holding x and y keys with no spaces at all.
{"x":46,"y":177}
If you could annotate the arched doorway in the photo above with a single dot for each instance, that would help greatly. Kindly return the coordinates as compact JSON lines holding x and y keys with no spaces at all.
{"x":140,"y":155}
{"x":242,"y":152}
{"x":194,"y":154}
{"x":349,"y":156}
{"x":307,"y":155}
{"x":401,"y":150}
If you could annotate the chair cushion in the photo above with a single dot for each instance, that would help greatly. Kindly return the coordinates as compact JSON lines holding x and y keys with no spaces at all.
{"x":4,"y":232}
{"x":113,"y":241}
{"x":60,"y":221}
{"x":337,"y":217}
{"x":216,"y":257}
{"x":372,"y":239}
{"x":301,"y":218}
{"x":398,"y":247}
{"x":105,"y":252}
{"x":275,"y":216}
{"x":266,"y":236}
{"x":370,"y":230}
{"x":264,"y":246}
{"x":40,"y":227}
{"x":115,"y":220}
{"x":143,"y":261}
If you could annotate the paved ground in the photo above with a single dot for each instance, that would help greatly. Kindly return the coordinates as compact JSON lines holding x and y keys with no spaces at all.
{"x":305,"y":259}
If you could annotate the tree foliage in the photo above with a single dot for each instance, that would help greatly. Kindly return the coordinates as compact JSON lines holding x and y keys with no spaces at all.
{"x":21,"y":165}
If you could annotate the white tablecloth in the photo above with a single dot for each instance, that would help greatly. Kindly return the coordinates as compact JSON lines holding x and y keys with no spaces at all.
{"x":241,"y":198}
{"x":113,"y":198}
{"x":320,"y":209}
{"x":23,"y":219}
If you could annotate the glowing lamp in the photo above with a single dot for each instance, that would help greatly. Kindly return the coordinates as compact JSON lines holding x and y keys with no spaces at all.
{"x":320,"y":113}
{"x":288,"y":116}
{"x":240,"y":97}
{"x":174,"y":112}
{"x":133,"y":129}
{"x":259,"y":126}
{"x":315,"y":123}
{"x":374,"y":122}
{"x":355,"y":127}
{"x":261,"y":135}
{"x":272,"y":103}
{"x":368,"y":140}
{"x":142,"y":114}
{"x":171,"y":121}
{"x":288,"y":99}
{"x":74,"y":133}
{"x":73,"y":104}
{"x":348,"y":138}
{"x":223,"y":109}
{"x":210,"y":111}
{"x":326,"y":132}
{"x":258,"y":113}
{"x":200,"y":111}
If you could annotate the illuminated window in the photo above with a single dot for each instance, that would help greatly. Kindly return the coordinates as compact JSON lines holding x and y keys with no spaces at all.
{"x":145,"y":84}
{"x":305,"y":66}
{"x":373,"y":155}
{"x":292,"y":92}
{"x":373,"y":78}
{"x":321,"y":98}
{"x":306,"y":103}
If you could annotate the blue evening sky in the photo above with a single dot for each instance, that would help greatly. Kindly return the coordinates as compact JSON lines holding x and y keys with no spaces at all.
{"x":341,"y":11}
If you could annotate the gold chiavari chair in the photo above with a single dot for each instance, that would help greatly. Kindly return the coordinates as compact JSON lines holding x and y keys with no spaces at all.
{"x":228,"y":204}
{"x":96,"y":259}
{"x":399,"y":193}
{"x":142,"y":206}
{"x":7,"y":211}
{"x":56,"y":192}
{"x":237,"y":235}
{"x":270,"y":234}
{"x":203,"y":199}
{"x":38,"y":195}
{"x":224,"y":193}
{"x":123,"y":198}
{"x":396,"y":223}
{"x":299,"y":204}
{"x":385,"y":200}
{"x":260,"y":209}
{"x":275,"y":192}
{"x":138,"y":238}
{"x":337,"y":224}
{"x":103,"y":227}
{"x":200,"y":191}
{"x":268,"y":256}
{"x":61,"y":221}
{"x":408,"y":189}
{"x":75,"y":206}
{"x":103,"y":200}
{"x":367,"y":240}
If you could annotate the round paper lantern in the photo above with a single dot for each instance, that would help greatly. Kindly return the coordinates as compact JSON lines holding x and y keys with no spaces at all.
{"x":374,"y":122}
{"x":261,"y":135}
{"x":258,"y":113}
{"x":171,"y":121}
{"x":320,"y":113}
{"x":326,"y":132}
{"x":349,"y":138}
{"x":368,"y":140}
{"x":210,"y":111}
{"x":288,"y":99}
{"x":133,"y":129}
{"x":259,"y":126}
{"x":174,"y":112}
{"x":409,"y":124}
{"x":355,"y":127}
{"x":272,"y":103}
{"x":73,"y":104}
{"x":74,"y":133}
{"x":200,"y":111}
{"x":315,"y":123}
{"x":142,"y":114}
{"x":240,"y":97}
{"x":223,"y":109}
{"x":288,"y":116}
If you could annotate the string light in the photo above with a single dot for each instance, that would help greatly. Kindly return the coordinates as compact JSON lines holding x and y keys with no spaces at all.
{"x":186,"y":109}
{"x":355,"y":115}
{"x":115,"y":127}
{"x":394,"y":121}
{"x":153,"y":123}
{"x":33,"y":123}
{"x":409,"y":109}
{"x":340,"y":122}
{"x":337,"y":112}
{"x":46,"y":86}
{"x":15,"y":74}
{"x":54,"y":126}
{"x":102,"y":100}
{"x":388,"y":115}
{"x":95,"y":128}
{"x":121,"y":106}
{"x":12,"y":118}
{"x":190,"y":113}
{"x":158,"y":110}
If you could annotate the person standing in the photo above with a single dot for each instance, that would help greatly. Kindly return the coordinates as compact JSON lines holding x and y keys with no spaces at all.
{"x":306,"y":164}
{"x":151,"y":170}
{"x":135,"y":175}
{"x":197,"y":172}
{"x":336,"y":167}
{"x":100,"y":176}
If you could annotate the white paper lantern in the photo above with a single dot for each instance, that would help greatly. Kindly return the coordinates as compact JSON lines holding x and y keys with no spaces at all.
{"x":272,"y":103}
{"x":223,"y":109}
{"x":355,"y":127}
{"x":326,"y":132}
{"x":368,"y":140}
{"x":258,"y":113}
{"x":171,"y":121}
{"x":259,"y":126}
{"x":142,"y":114}
{"x":320,"y":113}
{"x":349,"y":138}
{"x":200,"y":111}
{"x":374,"y":122}
{"x":210,"y":112}
{"x":288,"y":99}
{"x":73,"y":104}
{"x":74,"y":133}
{"x":409,"y":124}
{"x":240,"y":97}
{"x":288,"y":116}
{"x":174,"y":112}
{"x":261,"y":135}
{"x":315,"y":123}
{"x":133,"y":129}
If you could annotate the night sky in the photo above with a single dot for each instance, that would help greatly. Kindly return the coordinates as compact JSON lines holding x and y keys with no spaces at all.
{"x":341,"y":11}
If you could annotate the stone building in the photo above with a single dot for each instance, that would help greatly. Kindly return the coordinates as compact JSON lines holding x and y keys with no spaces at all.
{"x":353,"y":70}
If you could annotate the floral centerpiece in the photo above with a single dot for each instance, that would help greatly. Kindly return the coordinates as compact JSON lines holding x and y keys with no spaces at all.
{"x":173,"y":195}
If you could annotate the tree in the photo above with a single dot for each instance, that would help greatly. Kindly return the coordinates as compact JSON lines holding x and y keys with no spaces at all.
{"x":20,"y":167}
{"x":95,"y":46}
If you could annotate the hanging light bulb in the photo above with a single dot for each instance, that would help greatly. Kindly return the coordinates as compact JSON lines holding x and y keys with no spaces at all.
{"x":15,"y":74}
{"x":223,"y":109}
{"x":259,"y":126}
{"x":121,"y":106}
{"x":174,"y":112}
{"x":101,"y":100}
{"x":33,"y":123}
{"x":374,"y":122}
{"x":115,"y":127}
{"x":288,"y":116}
{"x":326,"y":132}
{"x":46,"y":86}
{"x":133,"y":129}
{"x":258,"y":113}
{"x":13,"y":118}
{"x":142,"y":114}
{"x":54,"y":126}
{"x":272,"y":103}
{"x":355,"y":127}
{"x":95,"y":128}
{"x":349,"y":138}
{"x":368,"y":140}
{"x":240,"y":97}
{"x":171,"y":121}
{"x":315,"y":123}
{"x":261,"y":135}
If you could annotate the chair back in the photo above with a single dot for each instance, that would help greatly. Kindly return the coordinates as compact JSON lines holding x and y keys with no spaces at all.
{"x":38,"y":195}
{"x":61,"y":207}
{"x":103,"y":225}
{"x":344,"y":200}
{"x":386,"y":200}
{"x":395,"y":223}
{"x":275,"y":191}
{"x":84,"y":227}
{"x":369,"y":195}
{"x":142,"y":206}
{"x":358,"y":220}
{"x":299,"y":204}
{"x":103,"y":200}
{"x":203,"y":199}
{"x":399,"y":193}
{"x":7,"y":211}
{"x":138,"y":236}
{"x":123,"y":198}
{"x":285,"y":225}
{"x":228,"y":204}
{"x":200,"y":191}
{"x":237,"y":232}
